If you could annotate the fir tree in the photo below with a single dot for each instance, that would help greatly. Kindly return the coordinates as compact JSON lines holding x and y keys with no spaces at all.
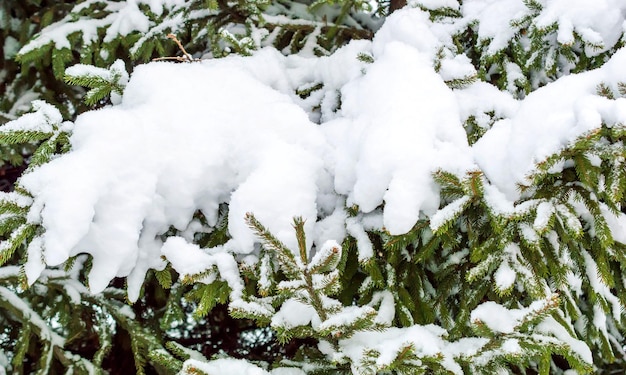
{"x":488,"y":278}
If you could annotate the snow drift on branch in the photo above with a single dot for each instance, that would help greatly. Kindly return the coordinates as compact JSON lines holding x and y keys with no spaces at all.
{"x":189,"y":137}
{"x":192,"y":136}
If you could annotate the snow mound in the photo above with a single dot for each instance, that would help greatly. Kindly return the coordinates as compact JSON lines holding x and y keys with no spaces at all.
{"x":185,"y":138}
{"x":548,"y":120}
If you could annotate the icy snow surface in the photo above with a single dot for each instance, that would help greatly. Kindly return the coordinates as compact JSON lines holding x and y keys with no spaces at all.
{"x":189,"y":137}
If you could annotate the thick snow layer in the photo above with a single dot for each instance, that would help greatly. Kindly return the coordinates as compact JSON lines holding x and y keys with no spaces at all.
{"x":294,"y":313}
{"x":549,"y":119}
{"x":253,"y":148}
{"x":599,"y":23}
{"x":408,"y":126}
{"x":494,"y":19}
{"x":187,"y":138}
{"x":400,"y":123}
{"x":497,"y":317}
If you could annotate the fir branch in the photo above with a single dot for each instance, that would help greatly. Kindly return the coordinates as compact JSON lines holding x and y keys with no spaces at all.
{"x":287,"y":260}
{"x":23,"y":234}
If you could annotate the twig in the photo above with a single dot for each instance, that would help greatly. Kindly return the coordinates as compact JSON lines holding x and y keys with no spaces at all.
{"x":186,"y":55}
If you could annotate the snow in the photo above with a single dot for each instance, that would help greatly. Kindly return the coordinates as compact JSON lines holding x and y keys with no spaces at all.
{"x":545,"y":210}
{"x":329,"y":249}
{"x":287,"y":371}
{"x":346,"y":317}
{"x":116,"y":73}
{"x":43,"y":119}
{"x":615,"y":222}
{"x":494,"y":20}
{"x":547,"y":120}
{"x":188,"y":138}
{"x":481,"y":97}
{"x":34,"y":265}
{"x":122,"y":18}
{"x":512,"y":346}
{"x":424,"y":340}
{"x":10,"y":47}
{"x":189,"y":259}
{"x":294,"y":313}
{"x":503,"y":320}
{"x":56,"y":33}
{"x":505,"y":276}
{"x":550,"y":326}
{"x":447,"y":213}
{"x":222,"y":366}
{"x":386,"y":307}
{"x":332,"y":227}
{"x":400,"y":149}
{"x":42,"y":329}
{"x":4,"y":363}
{"x":365,"y":247}
{"x":17,"y":199}
{"x":592,"y":272}
{"x":129,"y":18}
{"x":7,"y":272}
{"x":598,"y":22}
{"x":434,"y":4}
{"x":497,"y":317}
{"x":529,"y":234}
{"x":236,"y":156}
{"x":234,"y":366}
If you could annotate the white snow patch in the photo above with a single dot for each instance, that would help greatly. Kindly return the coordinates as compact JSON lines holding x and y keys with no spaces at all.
{"x":504,"y":276}
{"x":223,"y":366}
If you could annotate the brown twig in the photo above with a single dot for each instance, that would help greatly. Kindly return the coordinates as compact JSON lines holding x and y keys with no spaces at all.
{"x":186,"y":55}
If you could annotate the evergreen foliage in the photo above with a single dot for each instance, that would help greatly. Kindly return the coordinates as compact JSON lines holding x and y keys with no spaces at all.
{"x":20,"y":84}
{"x":551,"y":264}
